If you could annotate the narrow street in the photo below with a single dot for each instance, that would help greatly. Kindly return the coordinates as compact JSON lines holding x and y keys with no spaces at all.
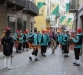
{"x":52,"y":64}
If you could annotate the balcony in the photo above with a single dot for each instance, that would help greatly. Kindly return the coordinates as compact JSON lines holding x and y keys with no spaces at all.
{"x":48,"y":18}
{"x":18,"y":4}
{"x":74,"y":5}
{"x":31,"y":8}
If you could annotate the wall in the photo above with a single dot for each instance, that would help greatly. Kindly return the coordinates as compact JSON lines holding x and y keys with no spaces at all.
{"x":28,"y":22}
{"x":80,"y":3}
{"x":3,"y":17}
{"x":40,"y":21}
{"x":79,"y":19}
{"x":80,"y":25}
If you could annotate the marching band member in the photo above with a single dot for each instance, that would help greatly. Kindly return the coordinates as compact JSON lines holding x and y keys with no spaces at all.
{"x":44,"y":42}
{"x":19,"y":40}
{"x":64,"y":44}
{"x":39,"y":38}
{"x":77,"y":39}
{"x":68,"y":35}
{"x":35,"y":46}
{"x":60,"y":40}
{"x":57,"y":38}
{"x":15,"y":35}
{"x":25,"y":40}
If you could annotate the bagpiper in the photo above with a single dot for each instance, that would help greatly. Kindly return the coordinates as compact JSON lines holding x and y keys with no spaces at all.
{"x":44,"y":42}
{"x":25,"y":40}
{"x":64,"y":41}
{"x":34,"y":45}
{"x":77,"y":40}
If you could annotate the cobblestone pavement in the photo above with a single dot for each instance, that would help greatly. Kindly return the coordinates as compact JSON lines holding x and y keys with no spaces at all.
{"x":52,"y":64}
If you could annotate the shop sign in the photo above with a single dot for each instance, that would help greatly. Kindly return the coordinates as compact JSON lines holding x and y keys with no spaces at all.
{"x":12,"y":19}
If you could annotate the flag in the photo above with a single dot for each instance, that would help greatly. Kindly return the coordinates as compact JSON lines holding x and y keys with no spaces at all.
{"x":41,"y":8}
{"x":67,"y":7}
{"x":63,"y":20}
{"x":70,"y":22}
{"x":55,"y":9}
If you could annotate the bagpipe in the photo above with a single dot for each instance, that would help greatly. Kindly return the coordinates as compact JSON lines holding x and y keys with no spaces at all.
{"x":17,"y":40}
{"x":33,"y":46}
{"x":73,"y":35}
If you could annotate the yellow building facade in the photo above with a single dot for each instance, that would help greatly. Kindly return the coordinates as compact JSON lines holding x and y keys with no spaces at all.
{"x":41,"y":21}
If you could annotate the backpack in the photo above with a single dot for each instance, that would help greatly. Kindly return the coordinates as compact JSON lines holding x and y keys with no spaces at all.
{"x":24,"y":38}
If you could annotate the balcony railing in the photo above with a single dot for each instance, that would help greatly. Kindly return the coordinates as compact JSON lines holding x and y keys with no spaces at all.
{"x":74,"y":5}
{"x":31,"y":8}
{"x":18,"y":4}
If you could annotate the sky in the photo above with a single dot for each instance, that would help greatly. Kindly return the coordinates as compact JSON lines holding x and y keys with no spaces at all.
{"x":66,"y":1}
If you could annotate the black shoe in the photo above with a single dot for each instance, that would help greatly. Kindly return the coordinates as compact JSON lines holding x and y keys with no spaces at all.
{"x":17,"y":51}
{"x":20,"y":52}
{"x":30,"y":58}
{"x":36,"y":59}
{"x":44,"y":55}
{"x":12,"y":56}
{"x":62,"y":52}
{"x":66,"y":56}
{"x":76,"y":64}
{"x":53,"y":52}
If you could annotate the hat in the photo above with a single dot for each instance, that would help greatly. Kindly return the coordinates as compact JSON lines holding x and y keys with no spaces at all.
{"x":79,"y":30}
{"x":7,"y":30}
{"x":17,"y":31}
{"x":43,"y":31}
{"x":26,"y":31}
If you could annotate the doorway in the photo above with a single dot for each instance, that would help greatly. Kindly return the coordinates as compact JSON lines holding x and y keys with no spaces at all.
{"x":12,"y":26}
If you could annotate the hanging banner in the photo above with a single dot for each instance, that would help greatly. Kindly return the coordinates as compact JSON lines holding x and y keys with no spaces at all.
{"x":63,"y":20}
{"x":55,"y":9}
{"x":41,"y":8}
{"x":67,"y":7}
